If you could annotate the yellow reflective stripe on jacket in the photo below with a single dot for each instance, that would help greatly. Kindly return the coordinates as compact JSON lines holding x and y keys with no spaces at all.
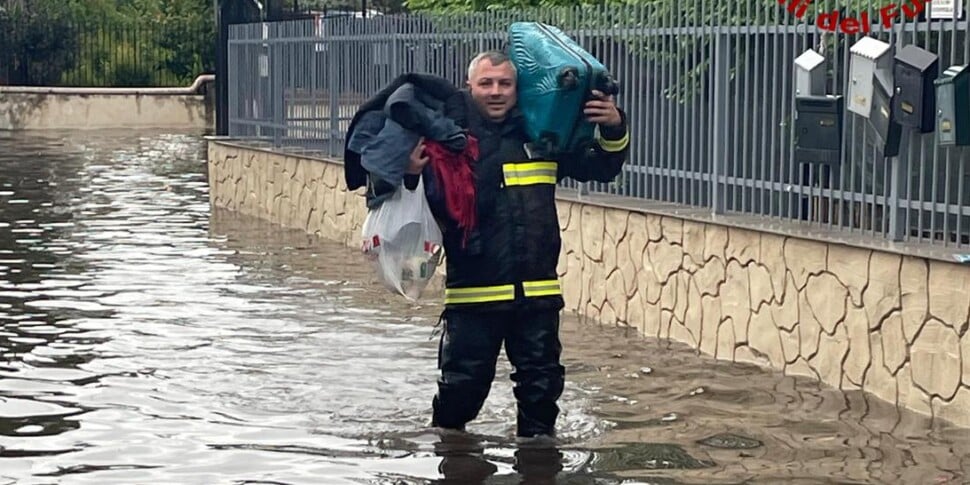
{"x":480,"y":294}
{"x":541,"y":288}
{"x":530,"y":173}
{"x":613,"y":145}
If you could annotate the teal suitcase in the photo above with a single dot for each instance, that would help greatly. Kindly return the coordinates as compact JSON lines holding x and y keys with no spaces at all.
{"x":555,"y":79}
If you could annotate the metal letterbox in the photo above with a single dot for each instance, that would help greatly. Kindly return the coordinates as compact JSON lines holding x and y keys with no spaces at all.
{"x":953,"y":101}
{"x":818,"y":129}
{"x":884,"y":122}
{"x":810,"y":74}
{"x":914,"y":102}
{"x":871,"y":59}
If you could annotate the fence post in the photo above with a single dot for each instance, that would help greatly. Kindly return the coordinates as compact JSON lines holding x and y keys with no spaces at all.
{"x":719,"y":151}
{"x":227,"y":12}
{"x":582,"y":186}
{"x":898,"y":220}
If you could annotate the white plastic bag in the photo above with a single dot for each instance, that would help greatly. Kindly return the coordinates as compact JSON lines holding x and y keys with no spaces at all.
{"x":402,"y":239}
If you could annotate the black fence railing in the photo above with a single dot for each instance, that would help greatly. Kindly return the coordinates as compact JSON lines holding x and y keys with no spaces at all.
{"x":105,"y":55}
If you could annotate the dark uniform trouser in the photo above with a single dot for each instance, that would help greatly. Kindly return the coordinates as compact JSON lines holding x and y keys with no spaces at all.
{"x":468,"y":352}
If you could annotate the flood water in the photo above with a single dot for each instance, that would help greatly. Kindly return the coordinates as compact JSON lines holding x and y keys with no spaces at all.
{"x":147,"y":338}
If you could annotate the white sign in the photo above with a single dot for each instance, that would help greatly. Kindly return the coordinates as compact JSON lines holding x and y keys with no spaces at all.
{"x":943,"y":9}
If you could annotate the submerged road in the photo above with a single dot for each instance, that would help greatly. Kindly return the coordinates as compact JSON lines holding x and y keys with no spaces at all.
{"x":147,"y":338}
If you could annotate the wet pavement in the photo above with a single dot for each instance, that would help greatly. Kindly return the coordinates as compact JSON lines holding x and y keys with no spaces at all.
{"x":145,"y":338}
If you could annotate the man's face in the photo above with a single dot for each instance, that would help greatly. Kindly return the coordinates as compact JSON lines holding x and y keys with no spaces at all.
{"x":493,"y":88}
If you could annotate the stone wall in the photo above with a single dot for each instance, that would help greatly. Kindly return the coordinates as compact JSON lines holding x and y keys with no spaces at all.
{"x":43,"y":111}
{"x":893,"y":325}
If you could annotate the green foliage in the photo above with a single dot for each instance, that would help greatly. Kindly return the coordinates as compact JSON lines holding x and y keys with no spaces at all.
{"x":641,"y":26}
{"x":108,"y":42}
{"x":118,"y":62}
{"x":33,"y":43}
{"x":187,"y":37}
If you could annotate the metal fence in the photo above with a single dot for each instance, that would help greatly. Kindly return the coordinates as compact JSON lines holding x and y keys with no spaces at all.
{"x":708,"y":87}
{"x":103,"y":54}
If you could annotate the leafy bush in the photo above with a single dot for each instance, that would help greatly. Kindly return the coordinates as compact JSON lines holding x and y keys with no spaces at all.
{"x":37,"y":44}
{"x":106,"y":42}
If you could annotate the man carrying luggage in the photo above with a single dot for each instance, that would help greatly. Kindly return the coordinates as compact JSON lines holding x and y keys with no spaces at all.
{"x":502,"y":284}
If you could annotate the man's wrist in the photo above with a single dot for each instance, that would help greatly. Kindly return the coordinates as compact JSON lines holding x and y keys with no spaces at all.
{"x":614,"y":132}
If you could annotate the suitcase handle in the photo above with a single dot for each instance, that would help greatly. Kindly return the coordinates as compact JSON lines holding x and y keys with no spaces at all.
{"x":569,"y":78}
{"x":607,"y":85}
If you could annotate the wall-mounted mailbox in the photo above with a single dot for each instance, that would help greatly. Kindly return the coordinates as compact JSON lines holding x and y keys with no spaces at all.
{"x":953,"y":101}
{"x":914,"y":103}
{"x":871,"y":59}
{"x":818,"y":128}
{"x":810,"y":74}
{"x":884,"y":120}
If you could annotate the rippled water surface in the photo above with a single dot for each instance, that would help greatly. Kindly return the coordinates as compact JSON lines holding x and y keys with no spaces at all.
{"x":146,"y":338}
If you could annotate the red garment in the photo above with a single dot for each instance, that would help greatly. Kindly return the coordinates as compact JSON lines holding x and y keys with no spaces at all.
{"x":456,"y":180}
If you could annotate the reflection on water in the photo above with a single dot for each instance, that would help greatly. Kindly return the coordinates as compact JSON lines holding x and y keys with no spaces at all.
{"x":147,"y":338}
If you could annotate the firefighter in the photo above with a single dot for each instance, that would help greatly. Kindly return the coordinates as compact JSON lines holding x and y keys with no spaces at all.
{"x":502,"y":284}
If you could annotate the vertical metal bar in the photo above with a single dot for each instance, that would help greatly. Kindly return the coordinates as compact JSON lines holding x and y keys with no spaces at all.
{"x":924,"y":37}
{"x":762,"y":127}
{"x":679,"y":138}
{"x":233,"y":78}
{"x":719,"y":149}
{"x":758,"y":141}
{"x":706,"y":107}
{"x":792,"y":42}
{"x":945,"y":214}
{"x":305,"y":66}
{"x":897,"y":215}
{"x":832,"y":175}
{"x":744,"y":104}
{"x":736,"y":90}
{"x":669,"y":47}
{"x":333,"y":54}
{"x":696,"y":41}
{"x":638,"y":129}
{"x":922,"y":163}
{"x":961,"y":162}
{"x":960,"y":201}
{"x":868,"y":175}
{"x":966,"y":35}
{"x":772,"y":158}
{"x":276,"y":81}
{"x":657,"y":84}
{"x":628,"y":97}
{"x":646,"y":104}
{"x":313,"y":55}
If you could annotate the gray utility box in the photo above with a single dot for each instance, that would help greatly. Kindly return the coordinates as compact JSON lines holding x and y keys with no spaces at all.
{"x":953,"y":100}
{"x":818,"y":129}
{"x":871,"y":60}
{"x":810,"y":74}
{"x":914,"y":103}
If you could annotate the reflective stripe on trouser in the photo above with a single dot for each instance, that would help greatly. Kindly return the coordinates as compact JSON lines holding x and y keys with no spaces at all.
{"x":541,"y":288}
{"x":529,"y":173}
{"x":485,"y":294}
{"x":469,"y":349}
{"x":479,"y":294}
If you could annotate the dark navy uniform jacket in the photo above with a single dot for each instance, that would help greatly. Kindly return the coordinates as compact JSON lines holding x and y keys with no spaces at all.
{"x":511,"y":257}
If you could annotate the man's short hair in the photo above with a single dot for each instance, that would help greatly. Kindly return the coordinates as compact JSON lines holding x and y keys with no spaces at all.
{"x":496,"y":58}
